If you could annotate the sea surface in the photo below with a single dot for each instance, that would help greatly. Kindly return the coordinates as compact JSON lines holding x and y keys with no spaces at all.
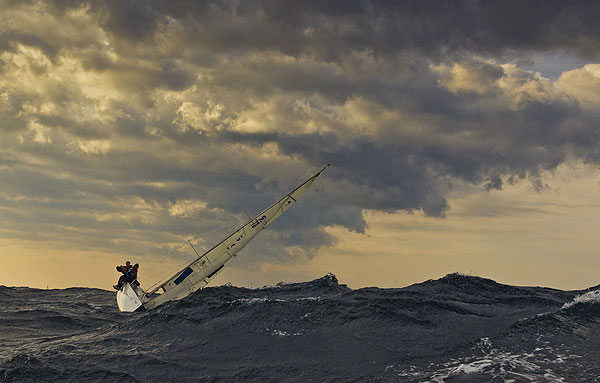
{"x":455,"y":329}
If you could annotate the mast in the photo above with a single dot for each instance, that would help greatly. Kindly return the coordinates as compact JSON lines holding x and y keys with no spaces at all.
{"x":199,"y":272}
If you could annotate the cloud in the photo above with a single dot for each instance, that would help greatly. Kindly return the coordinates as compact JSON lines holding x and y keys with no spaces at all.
{"x":129,"y":122}
{"x":331,"y":30}
{"x":583,"y":84}
{"x":471,"y":76}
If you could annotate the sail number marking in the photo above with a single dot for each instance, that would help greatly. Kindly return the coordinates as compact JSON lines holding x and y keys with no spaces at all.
{"x":258,"y":221}
{"x":253,"y":225}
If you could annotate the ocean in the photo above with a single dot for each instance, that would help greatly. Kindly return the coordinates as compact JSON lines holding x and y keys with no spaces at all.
{"x":455,"y":329}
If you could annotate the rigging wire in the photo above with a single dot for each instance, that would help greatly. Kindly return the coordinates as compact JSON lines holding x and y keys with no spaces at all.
{"x":152,"y":276}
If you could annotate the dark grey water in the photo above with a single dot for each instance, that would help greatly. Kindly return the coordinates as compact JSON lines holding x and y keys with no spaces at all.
{"x":455,"y":329}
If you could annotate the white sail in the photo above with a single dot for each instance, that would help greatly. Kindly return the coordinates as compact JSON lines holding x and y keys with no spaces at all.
{"x":199,"y":273}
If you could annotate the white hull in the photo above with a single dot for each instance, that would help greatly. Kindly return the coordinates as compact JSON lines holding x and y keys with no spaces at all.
{"x":129,"y":298}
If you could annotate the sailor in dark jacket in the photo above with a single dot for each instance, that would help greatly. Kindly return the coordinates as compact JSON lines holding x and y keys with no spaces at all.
{"x":127,"y":275}
{"x":132,"y":275}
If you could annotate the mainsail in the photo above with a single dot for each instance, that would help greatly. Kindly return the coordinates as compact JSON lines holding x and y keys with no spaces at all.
{"x":199,"y":273}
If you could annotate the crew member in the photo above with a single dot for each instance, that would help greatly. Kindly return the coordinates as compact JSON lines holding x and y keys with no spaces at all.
{"x":133,"y":272}
{"x":127,"y":276}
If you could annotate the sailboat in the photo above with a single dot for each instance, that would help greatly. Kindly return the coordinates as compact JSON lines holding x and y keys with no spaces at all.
{"x":205,"y":267}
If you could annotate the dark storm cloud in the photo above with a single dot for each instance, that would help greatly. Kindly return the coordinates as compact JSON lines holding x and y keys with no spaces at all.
{"x":386,"y":177}
{"x":331,"y":28}
{"x":494,"y":182}
{"x":9,"y":42}
{"x":125,"y":117}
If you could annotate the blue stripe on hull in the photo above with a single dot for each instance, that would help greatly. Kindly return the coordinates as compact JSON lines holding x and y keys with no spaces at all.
{"x":183,"y":275}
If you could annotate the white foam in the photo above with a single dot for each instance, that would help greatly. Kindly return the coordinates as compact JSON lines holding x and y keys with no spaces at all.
{"x":504,"y":365}
{"x":253,"y":301}
{"x":276,"y":332}
{"x":540,"y":365}
{"x":470,"y":368}
{"x":589,"y":297}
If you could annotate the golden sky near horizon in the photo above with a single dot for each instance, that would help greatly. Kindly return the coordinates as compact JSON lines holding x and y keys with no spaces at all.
{"x":456,"y":142}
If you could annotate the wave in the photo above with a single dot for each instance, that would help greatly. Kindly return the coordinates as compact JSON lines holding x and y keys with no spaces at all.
{"x":26,"y":368}
{"x":590,"y":297}
{"x":320,"y":330}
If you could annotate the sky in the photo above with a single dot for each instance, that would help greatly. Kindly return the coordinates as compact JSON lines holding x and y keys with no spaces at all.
{"x":463,"y":137}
